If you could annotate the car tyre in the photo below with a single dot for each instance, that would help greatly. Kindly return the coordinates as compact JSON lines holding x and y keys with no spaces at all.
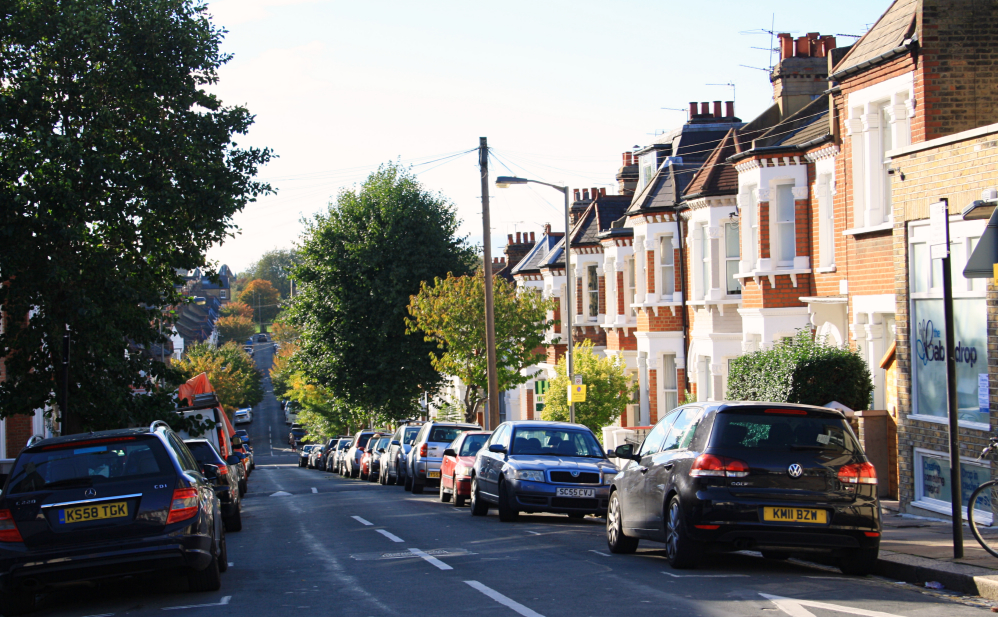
{"x":208,"y":579}
{"x":363,"y":476}
{"x":507,"y":511}
{"x":417,"y":487}
{"x":460,"y":500}
{"x":17,"y":601}
{"x":354,"y":472}
{"x":234,"y":522}
{"x":408,"y":483}
{"x":445,"y":497}
{"x":223,"y":555}
{"x":616,"y":540}
{"x":242,"y":487}
{"x":680,"y":549}
{"x":383,"y":478}
{"x":478,"y":505}
{"x":859,"y":561}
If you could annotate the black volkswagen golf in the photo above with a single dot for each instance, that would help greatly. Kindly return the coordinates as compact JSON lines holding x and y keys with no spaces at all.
{"x":773,"y":477}
{"x":99,"y":505}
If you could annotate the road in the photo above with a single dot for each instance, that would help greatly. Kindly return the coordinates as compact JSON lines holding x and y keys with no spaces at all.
{"x":313,"y":541}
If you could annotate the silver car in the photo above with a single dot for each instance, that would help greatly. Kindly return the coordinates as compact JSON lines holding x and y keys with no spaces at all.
{"x":396,"y":458}
{"x":428,"y":451}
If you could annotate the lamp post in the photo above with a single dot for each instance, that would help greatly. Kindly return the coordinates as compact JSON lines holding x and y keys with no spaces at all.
{"x":504,"y":182}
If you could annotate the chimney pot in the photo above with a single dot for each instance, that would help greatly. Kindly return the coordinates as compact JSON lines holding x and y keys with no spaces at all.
{"x":693,"y":110}
{"x":585,"y":194}
{"x":532,"y":238}
{"x":518,"y":237}
{"x":705,"y":108}
{"x":577,"y":190}
{"x":786,"y":45}
{"x":729,"y":109}
{"x":594,"y":192}
{"x":602,"y":191}
{"x":803,"y":47}
{"x":547,"y":226}
{"x":509,"y":238}
{"x":717,"y":109}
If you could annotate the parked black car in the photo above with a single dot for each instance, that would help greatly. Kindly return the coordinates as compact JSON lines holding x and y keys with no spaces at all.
{"x":533,"y":466}
{"x":771,"y":477}
{"x":223,"y":475}
{"x":396,"y":459}
{"x":112,"y":503}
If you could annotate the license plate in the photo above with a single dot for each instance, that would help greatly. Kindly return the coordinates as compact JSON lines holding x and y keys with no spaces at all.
{"x":83,"y":514}
{"x":432,"y":474}
{"x":575,"y":492}
{"x":795,"y":515}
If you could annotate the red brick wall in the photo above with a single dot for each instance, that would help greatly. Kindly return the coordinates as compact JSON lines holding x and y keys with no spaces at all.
{"x":764,"y":230}
{"x":650,"y":271}
{"x":578,"y":296}
{"x":555,"y":353}
{"x":676,"y":259}
{"x":529,"y":414}
{"x":18,"y":434}
{"x":681,"y":380}
{"x":871,"y":264}
{"x":783,"y":295}
{"x":616,"y":340}
{"x":802,"y":215}
{"x":602,"y":294}
{"x":620,"y":294}
{"x":653,"y":395}
{"x":665,"y":321}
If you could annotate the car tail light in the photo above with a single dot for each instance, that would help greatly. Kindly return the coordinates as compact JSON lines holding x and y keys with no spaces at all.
{"x":709,"y":527}
{"x":709,"y":465}
{"x":871,"y":534}
{"x":183,"y":506}
{"x":223,"y":470}
{"x":360,"y":448}
{"x":423,"y":449}
{"x":8,"y":530}
{"x":858,"y":473}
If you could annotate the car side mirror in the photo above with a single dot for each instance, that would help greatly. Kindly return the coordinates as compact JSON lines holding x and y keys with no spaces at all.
{"x":381,"y":450}
{"x":625,"y":451}
{"x":497,"y":448}
{"x":396,"y":442}
{"x":450,"y":452}
{"x":232,"y":459}
{"x":209,"y":471}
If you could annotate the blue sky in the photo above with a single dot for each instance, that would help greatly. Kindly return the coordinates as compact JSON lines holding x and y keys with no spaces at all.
{"x":560,"y":89}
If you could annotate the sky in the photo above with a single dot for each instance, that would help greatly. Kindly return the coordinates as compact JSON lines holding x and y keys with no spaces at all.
{"x":560,"y":89}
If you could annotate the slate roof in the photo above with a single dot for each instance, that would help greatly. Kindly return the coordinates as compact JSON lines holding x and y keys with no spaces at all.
{"x":808,"y":124}
{"x":598,"y":217}
{"x":890,"y":31}
{"x":535,"y":258}
{"x":664,"y":190}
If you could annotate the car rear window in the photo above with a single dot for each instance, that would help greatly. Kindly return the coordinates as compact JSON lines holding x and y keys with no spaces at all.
{"x":410,"y":435}
{"x":203,"y":452}
{"x":363,"y":439}
{"x":90,"y":463}
{"x":472,"y":444}
{"x":445,"y":434}
{"x":344,"y":444}
{"x":762,"y":431}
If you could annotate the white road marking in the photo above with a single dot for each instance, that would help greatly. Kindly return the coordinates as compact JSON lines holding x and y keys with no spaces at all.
{"x":599,"y":553}
{"x":705,"y":575}
{"x":389,"y":535}
{"x":270,"y":439}
{"x":533,"y":532}
{"x":361,"y":520}
{"x":101,"y":615}
{"x":231,"y":564}
{"x":430,"y":558}
{"x":795,"y":608}
{"x":315,"y":490}
{"x":501,"y":599}
{"x":224,"y":601}
{"x":280,"y":494}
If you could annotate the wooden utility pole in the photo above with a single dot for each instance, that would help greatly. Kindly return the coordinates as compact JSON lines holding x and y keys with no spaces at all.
{"x":492,"y":420}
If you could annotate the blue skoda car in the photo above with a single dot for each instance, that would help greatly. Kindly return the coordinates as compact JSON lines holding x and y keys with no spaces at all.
{"x":531,"y":466}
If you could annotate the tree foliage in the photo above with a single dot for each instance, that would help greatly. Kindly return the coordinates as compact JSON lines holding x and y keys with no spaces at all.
{"x":284,"y":333}
{"x":229,"y":369}
{"x":451,"y":314}
{"x":235,"y":328}
{"x":263,"y":298}
{"x":117,"y":169}
{"x":237,"y":308}
{"x":359,"y":263}
{"x":274,"y":266}
{"x":606,"y":389}
{"x":801,"y":370}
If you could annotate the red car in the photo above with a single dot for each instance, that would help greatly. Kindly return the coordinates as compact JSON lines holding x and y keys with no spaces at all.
{"x":459,"y":458}
{"x":369,"y":454}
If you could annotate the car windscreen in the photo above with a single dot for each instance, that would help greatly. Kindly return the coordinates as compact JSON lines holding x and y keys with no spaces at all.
{"x":472,"y":444}
{"x":204,"y":452}
{"x":344,"y":444}
{"x":89,"y":463}
{"x":446,"y":434}
{"x":382,"y":443}
{"x":363,"y":439}
{"x":409,"y":437}
{"x":780,"y":431}
{"x":555,"y":442}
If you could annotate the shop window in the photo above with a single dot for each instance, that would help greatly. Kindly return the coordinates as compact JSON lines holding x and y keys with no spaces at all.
{"x":934,"y":491}
{"x":667,"y":265}
{"x":593,"y":291}
{"x":733,"y":285}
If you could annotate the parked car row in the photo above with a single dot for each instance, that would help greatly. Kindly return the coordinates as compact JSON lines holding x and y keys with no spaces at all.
{"x":776,"y":478}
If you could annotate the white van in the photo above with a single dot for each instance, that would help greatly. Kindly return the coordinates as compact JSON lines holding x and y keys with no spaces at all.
{"x":291,"y":412}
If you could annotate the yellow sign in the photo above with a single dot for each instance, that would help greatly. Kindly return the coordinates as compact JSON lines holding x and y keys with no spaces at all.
{"x":996,"y":274}
{"x":577,"y":394}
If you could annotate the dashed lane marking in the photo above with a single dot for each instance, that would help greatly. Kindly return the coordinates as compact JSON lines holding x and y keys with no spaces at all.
{"x":389,"y":535}
{"x":280,"y":494}
{"x":705,"y":575}
{"x":430,"y":558}
{"x":599,"y":552}
{"x":536,"y":533}
{"x":501,"y":599}
{"x":315,"y":490}
{"x":223,"y":602}
{"x":361,"y":520}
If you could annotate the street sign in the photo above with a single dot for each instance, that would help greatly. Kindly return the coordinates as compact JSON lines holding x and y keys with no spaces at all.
{"x":939,"y":230}
{"x":578,"y":380}
{"x":577,"y":394}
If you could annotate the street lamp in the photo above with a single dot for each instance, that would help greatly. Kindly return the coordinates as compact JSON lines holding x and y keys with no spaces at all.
{"x":504,"y":182}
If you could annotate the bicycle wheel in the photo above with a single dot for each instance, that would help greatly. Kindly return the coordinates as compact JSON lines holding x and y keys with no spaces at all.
{"x":983,"y":500}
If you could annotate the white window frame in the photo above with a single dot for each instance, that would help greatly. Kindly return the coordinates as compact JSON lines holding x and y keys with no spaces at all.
{"x":727,"y":259}
{"x":222,"y":294}
{"x":775,"y":225}
{"x":666,"y":270}
{"x":664,"y":391}
{"x":703,"y":262}
{"x":749,"y":210}
{"x":630,"y":285}
{"x":592,"y":292}
{"x":826,"y":221}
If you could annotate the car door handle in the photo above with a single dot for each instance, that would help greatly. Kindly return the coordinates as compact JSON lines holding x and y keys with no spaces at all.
{"x":668,"y":466}
{"x":643,"y":469}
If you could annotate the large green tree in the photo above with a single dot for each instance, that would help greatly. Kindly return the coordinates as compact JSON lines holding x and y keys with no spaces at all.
{"x":606,"y":389}
{"x":231,"y":371}
{"x":451,"y":314}
{"x":263,"y":298}
{"x":274,"y":266}
{"x":117,"y":169}
{"x":359,"y":264}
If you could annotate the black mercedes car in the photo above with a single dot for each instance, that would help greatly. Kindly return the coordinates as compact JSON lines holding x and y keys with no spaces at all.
{"x":99,"y":505}
{"x":772,"y":477}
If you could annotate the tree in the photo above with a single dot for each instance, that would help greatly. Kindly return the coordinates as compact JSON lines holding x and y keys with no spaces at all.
{"x":235,"y":328}
{"x":230,"y":371}
{"x":284,"y":333}
{"x":606,"y":389}
{"x":263,"y":298}
{"x":359,"y":264}
{"x":237,"y":308}
{"x":451,"y":314}
{"x":117,"y":169}
{"x":801,"y":370}
{"x":274,"y":266}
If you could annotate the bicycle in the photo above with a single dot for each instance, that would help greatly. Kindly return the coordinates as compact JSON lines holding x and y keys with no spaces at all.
{"x":983,"y":498}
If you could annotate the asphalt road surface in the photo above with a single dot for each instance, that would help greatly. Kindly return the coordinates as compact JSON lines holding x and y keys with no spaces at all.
{"x":316,"y":543}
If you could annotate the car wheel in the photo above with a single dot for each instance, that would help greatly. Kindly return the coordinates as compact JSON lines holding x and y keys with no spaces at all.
{"x":615,"y":538}
{"x":478,"y":505}
{"x":208,"y":579}
{"x":680,"y":549}
{"x":17,"y":601}
{"x":363,"y":476}
{"x":444,"y":495}
{"x":374,"y":477}
{"x":223,"y":555}
{"x":460,"y":500}
{"x":383,"y":478}
{"x":354,"y":472}
{"x":417,"y":487}
{"x":234,"y":522}
{"x":408,"y":483}
{"x":859,"y":561}
{"x":507,"y":511}
{"x":242,"y":488}
{"x":777,"y":555}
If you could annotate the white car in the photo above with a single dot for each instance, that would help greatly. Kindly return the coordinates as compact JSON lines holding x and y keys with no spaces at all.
{"x":243,"y":416}
{"x":291,"y":413}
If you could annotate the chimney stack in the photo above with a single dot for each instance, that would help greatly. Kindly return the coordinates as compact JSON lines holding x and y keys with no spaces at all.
{"x":717,"y":109}
{"x":729,"y":109}
{"x":802,"y":73}
{"x":602,"y":191}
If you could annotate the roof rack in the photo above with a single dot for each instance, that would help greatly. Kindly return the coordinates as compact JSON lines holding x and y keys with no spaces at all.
{"x":158,"y":423}
{"x":33,"y":440}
